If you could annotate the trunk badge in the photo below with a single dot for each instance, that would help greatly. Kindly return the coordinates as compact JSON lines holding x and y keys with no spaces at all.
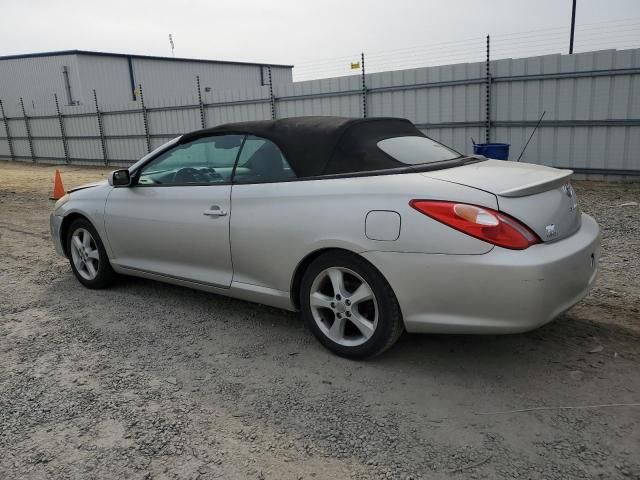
{"x":568,"y":191}
{"x":551,"y":231}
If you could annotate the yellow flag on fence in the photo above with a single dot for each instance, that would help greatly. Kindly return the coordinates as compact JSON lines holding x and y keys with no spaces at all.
{"x":355,"y":65}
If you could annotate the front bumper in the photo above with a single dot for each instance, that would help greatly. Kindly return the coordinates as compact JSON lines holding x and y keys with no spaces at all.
{"x":502,"y":291}
{"x":55,"y":223}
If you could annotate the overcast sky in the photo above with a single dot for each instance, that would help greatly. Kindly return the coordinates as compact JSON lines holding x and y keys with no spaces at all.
{"x":311,"y":32}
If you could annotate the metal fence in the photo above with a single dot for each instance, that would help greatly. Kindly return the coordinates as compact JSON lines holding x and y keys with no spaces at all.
{"x":591,"y":102}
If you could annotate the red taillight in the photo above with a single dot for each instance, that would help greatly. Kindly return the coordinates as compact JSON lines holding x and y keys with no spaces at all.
{"x":479,"y":222}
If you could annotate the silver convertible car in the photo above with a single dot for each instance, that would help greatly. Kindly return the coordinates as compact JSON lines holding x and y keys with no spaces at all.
{"x":366,"y":226}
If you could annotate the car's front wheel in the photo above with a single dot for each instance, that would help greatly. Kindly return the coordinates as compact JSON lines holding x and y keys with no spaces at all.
{"x":349,"y":306}
{"x":87,"y":255}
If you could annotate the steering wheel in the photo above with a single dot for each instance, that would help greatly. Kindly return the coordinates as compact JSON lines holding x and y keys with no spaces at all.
{"x":189,"y":175}
{"x":212,"y":174}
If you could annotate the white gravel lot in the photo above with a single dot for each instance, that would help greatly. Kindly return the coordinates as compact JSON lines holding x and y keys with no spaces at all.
{"x":147,"y":380}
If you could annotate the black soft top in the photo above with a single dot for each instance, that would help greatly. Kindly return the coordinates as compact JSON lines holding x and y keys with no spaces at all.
{"x":316,"y":146}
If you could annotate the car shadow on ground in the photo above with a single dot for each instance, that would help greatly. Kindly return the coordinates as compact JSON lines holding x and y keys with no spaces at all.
{"x":566,"y":340}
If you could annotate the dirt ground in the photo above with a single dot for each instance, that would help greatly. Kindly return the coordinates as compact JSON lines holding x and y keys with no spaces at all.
{"x":147,"y":380}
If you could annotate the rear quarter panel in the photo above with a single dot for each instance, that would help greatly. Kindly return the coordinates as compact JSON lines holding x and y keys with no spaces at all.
{"x":274,"y":226}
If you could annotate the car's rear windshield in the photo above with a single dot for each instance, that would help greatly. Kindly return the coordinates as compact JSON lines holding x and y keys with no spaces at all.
{"x":416,"y":150}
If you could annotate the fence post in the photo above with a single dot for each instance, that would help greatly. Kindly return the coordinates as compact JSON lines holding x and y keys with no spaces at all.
{"x":272,"y":99}
{"x":28,"y":128}
{"x":63,"y":134}
{"x":145,"y":119}
{"x":364,"y":87}
{"x":203,"y":121}
{"x":103,"y":140}
{"x":487,"y":121}
{"x":6,"y":128}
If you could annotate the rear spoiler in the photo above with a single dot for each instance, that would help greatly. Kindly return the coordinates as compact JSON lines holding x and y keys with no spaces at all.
{"x":559,"y":178}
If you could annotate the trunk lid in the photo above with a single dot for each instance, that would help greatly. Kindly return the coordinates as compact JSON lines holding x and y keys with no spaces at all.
{"x":540,"y":197}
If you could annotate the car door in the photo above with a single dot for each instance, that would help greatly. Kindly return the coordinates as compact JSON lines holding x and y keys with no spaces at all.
{"x":174,"y":219}
{"x":265,"y":225}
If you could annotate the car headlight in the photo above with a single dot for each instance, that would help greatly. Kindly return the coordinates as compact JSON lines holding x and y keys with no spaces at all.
{"x":64,"y":199}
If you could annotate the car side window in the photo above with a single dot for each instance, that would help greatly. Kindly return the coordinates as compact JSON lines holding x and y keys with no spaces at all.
{"x":205,"y":161}
{"x":261,"y":161}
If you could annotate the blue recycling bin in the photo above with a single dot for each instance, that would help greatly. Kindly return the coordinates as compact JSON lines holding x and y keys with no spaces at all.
{"x":499,"y":151}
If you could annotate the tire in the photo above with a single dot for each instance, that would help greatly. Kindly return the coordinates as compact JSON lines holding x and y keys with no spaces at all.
{"x":88,"y":259}
{"x":370,"y":319}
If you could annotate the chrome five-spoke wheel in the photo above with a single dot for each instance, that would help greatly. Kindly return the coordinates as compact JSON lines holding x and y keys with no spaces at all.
{"x":85,"y":254}
{"x":349,"y":306}
{"x":344,"y":306}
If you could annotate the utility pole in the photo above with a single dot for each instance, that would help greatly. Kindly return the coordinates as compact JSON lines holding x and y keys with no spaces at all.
{"x":573,"y":26}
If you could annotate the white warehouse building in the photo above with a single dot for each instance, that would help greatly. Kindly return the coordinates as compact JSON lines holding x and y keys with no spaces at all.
{"x":74,"y":74}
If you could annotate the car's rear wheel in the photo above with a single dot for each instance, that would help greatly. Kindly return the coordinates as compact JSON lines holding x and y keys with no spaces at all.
{"x":349,"y":306}
{"x":87,"y":255}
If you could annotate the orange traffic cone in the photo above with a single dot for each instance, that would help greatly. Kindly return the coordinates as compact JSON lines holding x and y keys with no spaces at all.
{"x":58,"y":189}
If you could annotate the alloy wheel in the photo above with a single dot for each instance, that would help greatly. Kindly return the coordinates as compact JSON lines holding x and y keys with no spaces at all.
{"x":344,"y":306}
{"x":85,"y":254}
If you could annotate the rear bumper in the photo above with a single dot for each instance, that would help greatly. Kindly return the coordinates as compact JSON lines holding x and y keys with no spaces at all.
{"x":55,"y":223}
{"x":502,"y":291}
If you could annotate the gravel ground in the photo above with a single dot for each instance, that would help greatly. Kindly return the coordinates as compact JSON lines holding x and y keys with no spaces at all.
{"x":147,"y":380}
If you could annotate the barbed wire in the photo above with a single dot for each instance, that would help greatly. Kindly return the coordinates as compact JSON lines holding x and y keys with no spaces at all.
{"x":527,"y":33}
{"x":620,"y":34}
{"x":550,"y":40}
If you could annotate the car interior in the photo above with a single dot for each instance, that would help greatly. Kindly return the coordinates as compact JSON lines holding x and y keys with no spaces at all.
{"x":210,"y":161}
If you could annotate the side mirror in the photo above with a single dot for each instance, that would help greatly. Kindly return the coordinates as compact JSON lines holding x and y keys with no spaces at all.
{"x":120,"y":178}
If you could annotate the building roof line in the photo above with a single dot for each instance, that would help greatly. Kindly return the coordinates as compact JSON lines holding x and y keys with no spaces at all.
{"x":145,"y":57}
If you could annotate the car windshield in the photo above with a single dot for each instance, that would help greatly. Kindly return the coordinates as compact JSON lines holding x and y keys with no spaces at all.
{"x":416,"y":150}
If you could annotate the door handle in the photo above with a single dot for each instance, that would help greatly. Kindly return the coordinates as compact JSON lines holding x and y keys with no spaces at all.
{"x":215,"y":213}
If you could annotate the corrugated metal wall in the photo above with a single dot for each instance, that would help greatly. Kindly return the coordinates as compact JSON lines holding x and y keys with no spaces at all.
{"x":108,"y":76}
{"x":591,"y":100}
{"x":36,"y":79}
{"x":162,"y":79}
{"x":592,"y":120}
